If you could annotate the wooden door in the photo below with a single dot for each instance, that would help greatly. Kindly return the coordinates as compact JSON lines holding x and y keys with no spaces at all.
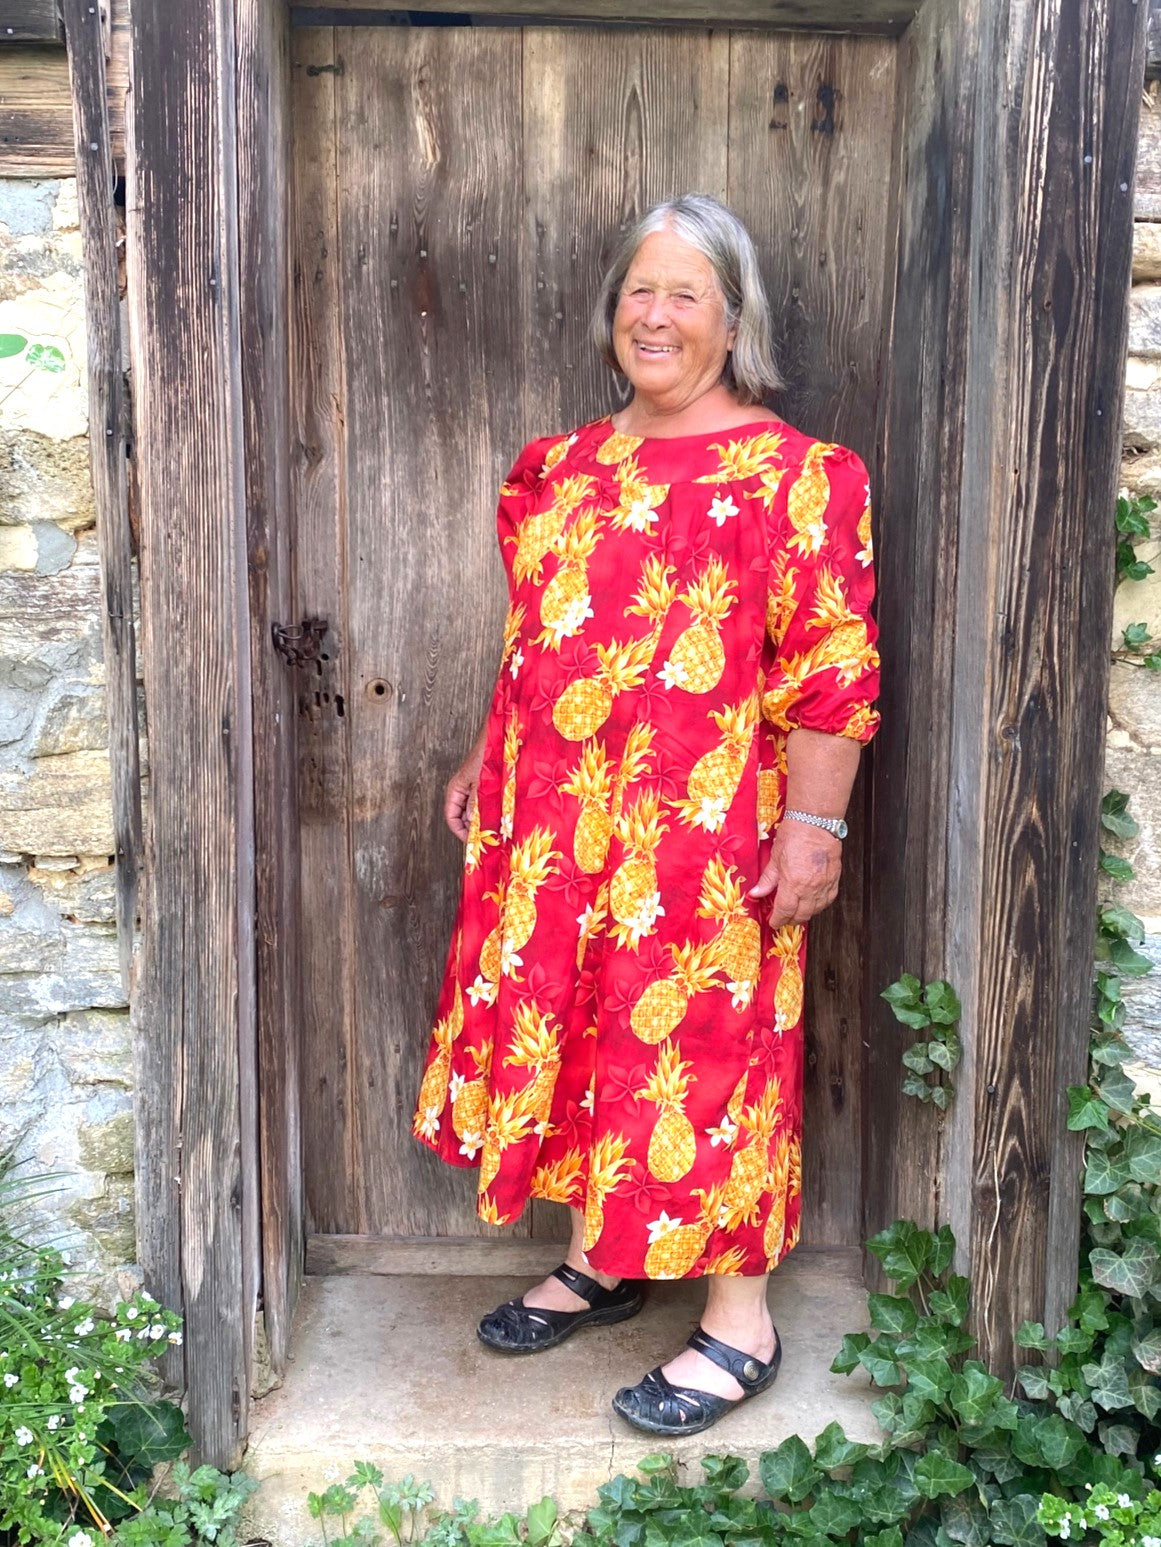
{"x":458,"y":191}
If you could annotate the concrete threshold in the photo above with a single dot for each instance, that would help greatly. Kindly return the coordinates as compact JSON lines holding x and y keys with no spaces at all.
{"x":388,"y":1369}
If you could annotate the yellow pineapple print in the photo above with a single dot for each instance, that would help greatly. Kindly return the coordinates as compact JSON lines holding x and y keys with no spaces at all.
{"x":535,"y":1044}
{"x":591,"y":781}
{"x":510,"y":1119}
{"x":738,"y":944}
{"x":866,"y":552}
{"x":745,"y":458}
{"x":513,"y":623}
{"x":714,"y":778}
{"x":655,"y":594}
{"x":609,"y":1163}
{"x":556,"y":453}
{"x":470,"y":1101}
{"x":748,"y":1168}
{"x":616,"y":447}
{"x":586,"y":702}
{"x":537,"y":533}
{"x":781,"y":597}
{"x":530,"y":864}
{"x":662,"y":1005}
{"x":698,"y":658}
{"x":778,"y":1186}
{"x":789,"y":991}
{"x":565,"y":603}
{"x":592,"y":920}
{"x":729,"y":1263}
{"x":559,"y":1181}
{"x":672,"y":1143}
{"x":636,"y":510}
{"x":512,"y":742}
{"x":478,"y":839}
{"x":433,"y":1089}
{"x":845,"y":645}
{"x":770,"y":802}
{"x":634,"y":898}
{"x":675,"y":1246}
{"x":807,"y":501}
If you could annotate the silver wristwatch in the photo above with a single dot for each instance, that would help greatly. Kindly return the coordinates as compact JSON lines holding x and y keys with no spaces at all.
{"x":833,"y":824}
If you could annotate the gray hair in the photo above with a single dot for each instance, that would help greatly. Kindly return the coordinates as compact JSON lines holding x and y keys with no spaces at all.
{"x":718,"y":234}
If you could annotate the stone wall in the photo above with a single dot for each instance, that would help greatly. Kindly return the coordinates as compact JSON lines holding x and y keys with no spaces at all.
{"x":65,"y":1053}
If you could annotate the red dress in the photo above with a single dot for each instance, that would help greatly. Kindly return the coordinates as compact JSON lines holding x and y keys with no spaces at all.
{"x":619,"y":1028}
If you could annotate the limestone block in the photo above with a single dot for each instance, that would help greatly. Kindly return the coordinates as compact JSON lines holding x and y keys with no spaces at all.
{"x":1142,"y":422}
{"x":27,"y":207}
{"x":95,"y":1047}
{"x":1139,"y":601}
{"x":42,"y":479}
{"x":1145,"y":321}
{"x":30,"y":931}
{"x":17,"y":547}
{"x":17,"y":710}
{"x":86,"y":892}
{"x":75,"y":721}
{"x":66,"y":214}
{"x":1143,"y":1006}
{"x":54,"y":547}
{"x":49,"y":625}
{"x":87,"y":976}
{"x":107,"y":1147}
{"x":1142,"y":475}
{"x":64,"y":806}
{"x":1146,"y":251}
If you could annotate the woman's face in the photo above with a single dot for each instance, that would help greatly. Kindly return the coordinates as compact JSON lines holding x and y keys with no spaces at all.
{"x":669,"y":328}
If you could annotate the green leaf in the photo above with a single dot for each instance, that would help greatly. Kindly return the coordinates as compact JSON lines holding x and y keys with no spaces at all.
{"x":1147,"y":1350}
{"x":1135,"y":635}
{"x":1116,"y":920}
{"x":149,"y":1432}
{"x":1057,"y":1442}
{"x":913,"y":1085}
{"x":942,"y":1003}
{"x":916,"y":1059}
{"x":891,"y":1537}
{"x":929,"y":1379}
{"x":942,"y":1249}
{"x":47,"y":357}
{"x":941,"y":1095}
{"x":541,"y":1522}
{"x":937,"y":1473}
{"x":906,"y":989}
{"x":1119,"y":1439}
{"x":847,"y":1358}
{"x":1108,"y":1381}
{"x":1014,"y":1522}
{"x":1143,"y":1154}
{"x":1031,"y":1334}
{"x":965,"y":1520}
{"x":834,"y":1516}
{"x":951,"y":1303}
{"x":1105,"y":1171}
{"x":11,"y":344}
{"x":728,"y":1472}
{"x":945,"y":1055}
{"x":882,"y":1370}
{"x":1079,"y":1410}
{"x":892,"y":1313}
{"x":1130,"y":1273}
{"x":1074,"y":1340}
{"x":788,"y":1472}
{"x":1084,"y":1110}
{"x":1113,"y":865}
{"x":1033,"y":1380}
{"x":1146,"y":1394}
{"x":973,"y":1392}
{"x":1126,"y":1204}
{"x":904,"y":1250}
{"x":1117,"y":1089}
{"x":832,"y":1449}
{"x":1129,"y":963}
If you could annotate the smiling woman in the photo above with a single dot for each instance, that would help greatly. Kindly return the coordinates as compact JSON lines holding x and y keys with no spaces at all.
{"x":620,"y":1023}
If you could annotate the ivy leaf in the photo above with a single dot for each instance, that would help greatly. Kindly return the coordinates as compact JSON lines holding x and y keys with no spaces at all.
{"x":1147,"y":1350}
{"x":1117,"y":1090}
{"x":1126,"y":1204}
{"x":1105,"y":1171}
{"x":1078,"y":1409}
{"x":1146,"y":1394}
{"x":913,"y":1085}
{"x":1090,"y":1310}
{"x":916,"y":1059}
{"x":847,"y":1358}
{"x":965,"y":1520}
{"x":891,"y":1537}
{"x":906,"y":989}
{"x":1135,"y":635}
{"x":951,"y":1302}
{"x":833,"y":1515}
{"x":1113,"y":865}
{"x":942,"y":1248}
{"x":1031,"y":1334}
{"x":973,"y":1392}
{"x":892,"y":1313}
{"x":937,"y":1473}
{"x":1033,"y":1380}
{"x":1085,"y":1110}
{"x":1014,"y":1522}
{"x":1057,"y":1441}
{"x":1074,"y":1340}
{"x":929,"y":1379}
{"x":941,"y":1095}
{"x":1108,"y":1381}
{"x":788,"y":1472}
{"x":728,"y":1472}
{"x":882,"y":1370}
{"x":904,"y":1250}
{"x":1115,"y":815}
{"x":1116,"y":920}
{"x":942,"y":1003}
{"x":1127,"y":961}
{"x":1143,"y":1153}
{"x":1119,"y":1439}
{"x":1131,"y":1273}
{"x":945,"y":1055}
{"x":832,"y":1449}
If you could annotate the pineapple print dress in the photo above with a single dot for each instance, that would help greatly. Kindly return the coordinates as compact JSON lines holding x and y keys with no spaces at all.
{"x":618,"y":1027}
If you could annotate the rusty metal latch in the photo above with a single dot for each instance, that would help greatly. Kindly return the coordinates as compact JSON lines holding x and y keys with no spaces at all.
{"x":298,"y":643}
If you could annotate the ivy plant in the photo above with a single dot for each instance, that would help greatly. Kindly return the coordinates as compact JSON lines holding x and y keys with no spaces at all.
{"x":934,"y":1010}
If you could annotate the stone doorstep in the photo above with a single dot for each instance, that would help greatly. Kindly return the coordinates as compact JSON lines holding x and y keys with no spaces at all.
{"x":388,"y":1369}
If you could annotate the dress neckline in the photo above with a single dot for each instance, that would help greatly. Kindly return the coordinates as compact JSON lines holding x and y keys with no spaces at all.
{"x":676,"y":440}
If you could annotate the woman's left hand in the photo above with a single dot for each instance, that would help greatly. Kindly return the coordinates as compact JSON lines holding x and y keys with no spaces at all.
{"x":803,"y":871}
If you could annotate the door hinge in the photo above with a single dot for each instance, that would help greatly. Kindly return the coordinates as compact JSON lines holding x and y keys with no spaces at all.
{"x":298,"y":643}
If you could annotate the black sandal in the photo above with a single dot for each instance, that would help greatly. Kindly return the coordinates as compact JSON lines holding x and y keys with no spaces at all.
{"x":657,"y":1406}
{"x":516,"y":1328}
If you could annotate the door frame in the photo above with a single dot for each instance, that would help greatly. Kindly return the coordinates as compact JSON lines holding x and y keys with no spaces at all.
{"x":973,"y":805}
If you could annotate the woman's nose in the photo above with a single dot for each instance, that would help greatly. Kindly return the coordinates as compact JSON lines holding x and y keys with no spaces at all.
{"x":657,"y":311}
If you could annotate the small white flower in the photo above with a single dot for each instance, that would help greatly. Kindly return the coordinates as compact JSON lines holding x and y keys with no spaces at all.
{"x":740,"y":994}
{"x":725,"y":1133}
{"x":157,"y":1330}
{"x":11,"y":1379}
{"x":83,"y":1328}
{"x":721,"y":508}
{"x":24,"y":1436}
{"x":510,"y":959}
{"x":673,"y":674}
{"x":711,"y":813}
{"x":65,"y":1301}
{"x":483,"y":989}
{"x":131,"y":1313}
{"x":78,"y":1393}
{"x":80,"y":1539}
{"x":662,"y":1226}
{"x":35,"y":1471}
{"x":1101,"y":1511}
{"x":472,"y":1143}
{"x":1123,"y":1501}
{"x":455,"y":1085}
{"x":146,"y":1298}
{"x":517,"y":661}
{"x":54,"y":1421}
{"x":123,"y":1334}
{"x":429,"y":1123}
{"x":588,"y":1099}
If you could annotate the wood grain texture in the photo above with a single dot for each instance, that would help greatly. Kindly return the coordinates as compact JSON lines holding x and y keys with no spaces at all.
{"x":30,"y":21}
{"x":428,"y":137}
{"x":811,"y":130}
{"x":881,"y":16}
{"x":263,"y":72}
{"x":612,"y":123}
{"x":36,"y":116}
{"x":194,"y":1013}
{"x":921,"y":435}
{"x":1153,"y":42}
{"x":1046,"y":330}
{"x":107,"y":453}
{"x":319,"y":559}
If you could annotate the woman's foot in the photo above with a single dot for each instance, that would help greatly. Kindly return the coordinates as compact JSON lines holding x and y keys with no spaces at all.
{"x":519,"y":1328}
{"x":713,"y":1378}
{"x":748,"y":1329}
{"x":551,"y":1295}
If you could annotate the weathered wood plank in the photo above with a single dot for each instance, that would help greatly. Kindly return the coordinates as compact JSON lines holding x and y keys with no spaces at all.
{"x":36,"y":119}
{"x":652,"y":111}
{"x":195,"y":1009}
{"x":1046,"y":329}
{"x":1153,"y":42}
{"x":107,"y":452}
{"x":331,"y":1160}
{"x":428,"y":126}
{"x":922,"y":429}
{"x":882,"y":16}
{"x":30,"y":21}
{"x":263,"y":38}
{"x":810,"y":174}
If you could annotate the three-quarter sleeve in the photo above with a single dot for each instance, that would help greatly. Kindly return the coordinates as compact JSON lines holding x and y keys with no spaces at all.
{"x":825,"y":675}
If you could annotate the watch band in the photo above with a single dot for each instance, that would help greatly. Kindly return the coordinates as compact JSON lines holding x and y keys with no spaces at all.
{"x":833,"y":824}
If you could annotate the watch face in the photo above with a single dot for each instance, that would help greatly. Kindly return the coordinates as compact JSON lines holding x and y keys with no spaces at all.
{"x":841,"y":829}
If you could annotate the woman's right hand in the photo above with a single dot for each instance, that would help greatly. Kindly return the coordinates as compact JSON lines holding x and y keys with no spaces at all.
{"x":460,"y":796}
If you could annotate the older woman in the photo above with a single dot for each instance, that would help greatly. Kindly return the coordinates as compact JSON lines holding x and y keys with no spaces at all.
{"x":651,"y":813}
